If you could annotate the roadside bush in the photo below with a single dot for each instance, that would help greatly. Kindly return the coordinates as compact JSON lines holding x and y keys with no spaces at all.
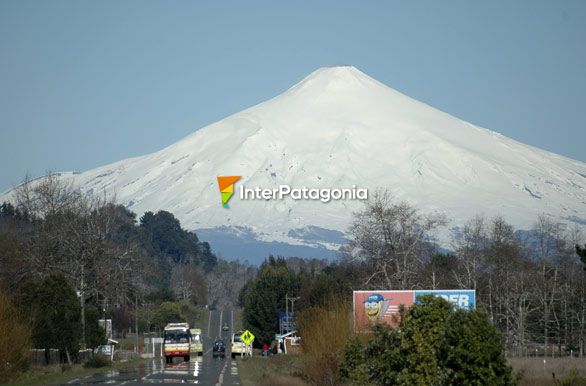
{"x":435,"y":345}
{"x":377,"y":361}
{"x":15,"y":340}
{"x":97,"y":361}
{"x":95,"y":335}
{"x":473,"y":352}
{"x":193,"y":313}
{"x":53,"y":309}
{"x":168,"y":312}
{"x":324,"y":332}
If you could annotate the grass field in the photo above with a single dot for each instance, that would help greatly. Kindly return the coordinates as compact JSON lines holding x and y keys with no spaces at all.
{"x":278,"y":370}
{"x":285,"y":370}
{"x":541,"y":371}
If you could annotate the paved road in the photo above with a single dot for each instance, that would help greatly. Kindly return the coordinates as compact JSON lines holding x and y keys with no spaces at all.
{"x":202,"y":370}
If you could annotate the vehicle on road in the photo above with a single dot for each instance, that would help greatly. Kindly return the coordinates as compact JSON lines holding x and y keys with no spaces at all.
{"x":196,"y":347}
{"x":225,"y":327}
{"x":219,"y":349}
{"x":238,"y":347}
{"x":177,"y":341}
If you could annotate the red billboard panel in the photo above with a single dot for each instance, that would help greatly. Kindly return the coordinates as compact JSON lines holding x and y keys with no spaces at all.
{"x":371,"y":307}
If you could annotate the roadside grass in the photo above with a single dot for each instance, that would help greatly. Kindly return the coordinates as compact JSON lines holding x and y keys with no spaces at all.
{"x":129,"y":343}
{"x":325,"y":332}
{"x":276,"y":370}
{"x":536,"y":372}
{"x":51,"y":374}
{"x":237,"y":319}
{"x":287,"y":370}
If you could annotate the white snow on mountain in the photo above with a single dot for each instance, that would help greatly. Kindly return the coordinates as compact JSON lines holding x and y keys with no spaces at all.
{"x":336,"y":128}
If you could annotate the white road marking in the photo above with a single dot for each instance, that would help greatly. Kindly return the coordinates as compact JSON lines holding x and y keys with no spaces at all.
{"x":220,"y":325}
{"x":209,"y":323}
{"x":221,"y":377}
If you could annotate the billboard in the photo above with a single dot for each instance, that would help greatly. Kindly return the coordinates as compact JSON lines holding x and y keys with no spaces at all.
{"x":372,"y":307}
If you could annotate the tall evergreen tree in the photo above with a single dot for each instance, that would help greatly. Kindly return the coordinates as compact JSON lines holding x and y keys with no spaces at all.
{"x":54,"y":312}
{"x":265,"y":296}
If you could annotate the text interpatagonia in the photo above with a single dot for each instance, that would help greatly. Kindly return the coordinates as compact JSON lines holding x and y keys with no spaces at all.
{"x":303,"y":193}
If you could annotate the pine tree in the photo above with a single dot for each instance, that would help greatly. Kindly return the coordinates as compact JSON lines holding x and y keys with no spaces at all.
{"x":54,"y":312}
{"x":265,"y":297}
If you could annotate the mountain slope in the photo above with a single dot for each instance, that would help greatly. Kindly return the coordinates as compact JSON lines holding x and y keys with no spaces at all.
{"x":337,"y":128}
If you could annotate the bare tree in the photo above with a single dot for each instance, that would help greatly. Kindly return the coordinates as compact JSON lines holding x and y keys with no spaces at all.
{"x":226,"y":281}
{"x":73,"y":235}
{"x":189,"y":283}
{"x":394,"y":239}
{"x":470,"y":248}
{"x":547,"y":291}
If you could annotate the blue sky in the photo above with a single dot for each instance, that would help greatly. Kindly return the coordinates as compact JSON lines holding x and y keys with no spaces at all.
{"x":86,"y":83}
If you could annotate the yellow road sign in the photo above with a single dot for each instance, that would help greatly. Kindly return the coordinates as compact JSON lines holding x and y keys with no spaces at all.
{"x":247,"y":337}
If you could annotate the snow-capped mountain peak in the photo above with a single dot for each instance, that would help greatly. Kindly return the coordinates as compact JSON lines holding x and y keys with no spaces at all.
{"x":339,"y":128}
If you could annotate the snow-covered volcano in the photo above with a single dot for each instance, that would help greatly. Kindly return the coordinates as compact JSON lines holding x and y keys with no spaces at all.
{"x":338,"y":128}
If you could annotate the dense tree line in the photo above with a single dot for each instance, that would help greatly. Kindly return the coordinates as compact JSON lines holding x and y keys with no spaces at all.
{"x":69,"y":258}
{"x":531,"y":284}
{"x":434,"y":344}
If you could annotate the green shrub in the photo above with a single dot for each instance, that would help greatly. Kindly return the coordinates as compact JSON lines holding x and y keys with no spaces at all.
{"x":435,"y":345}
{"x":15,"y":340}
{"x":97,"y":361}
{"x":53,"y":309}
{"x":168,"y":312}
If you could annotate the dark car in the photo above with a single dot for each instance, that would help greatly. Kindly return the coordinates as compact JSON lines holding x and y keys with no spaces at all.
{"x":219,"y":349}
{"x":225,"y":327}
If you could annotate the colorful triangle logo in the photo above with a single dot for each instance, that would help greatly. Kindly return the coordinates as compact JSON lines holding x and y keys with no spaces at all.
{"x":226,"y":185}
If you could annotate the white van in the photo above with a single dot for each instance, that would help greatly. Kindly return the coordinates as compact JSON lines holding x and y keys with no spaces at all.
{"x":238,"y":346}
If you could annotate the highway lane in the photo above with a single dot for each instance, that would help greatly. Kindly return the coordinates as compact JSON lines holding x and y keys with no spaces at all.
{"x":200,"y":370}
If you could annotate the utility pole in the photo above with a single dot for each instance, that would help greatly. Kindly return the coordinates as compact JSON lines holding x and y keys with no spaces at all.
{"x":293,"y":305}
{"x":82,"y":303}
{"x":136,"y":317}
